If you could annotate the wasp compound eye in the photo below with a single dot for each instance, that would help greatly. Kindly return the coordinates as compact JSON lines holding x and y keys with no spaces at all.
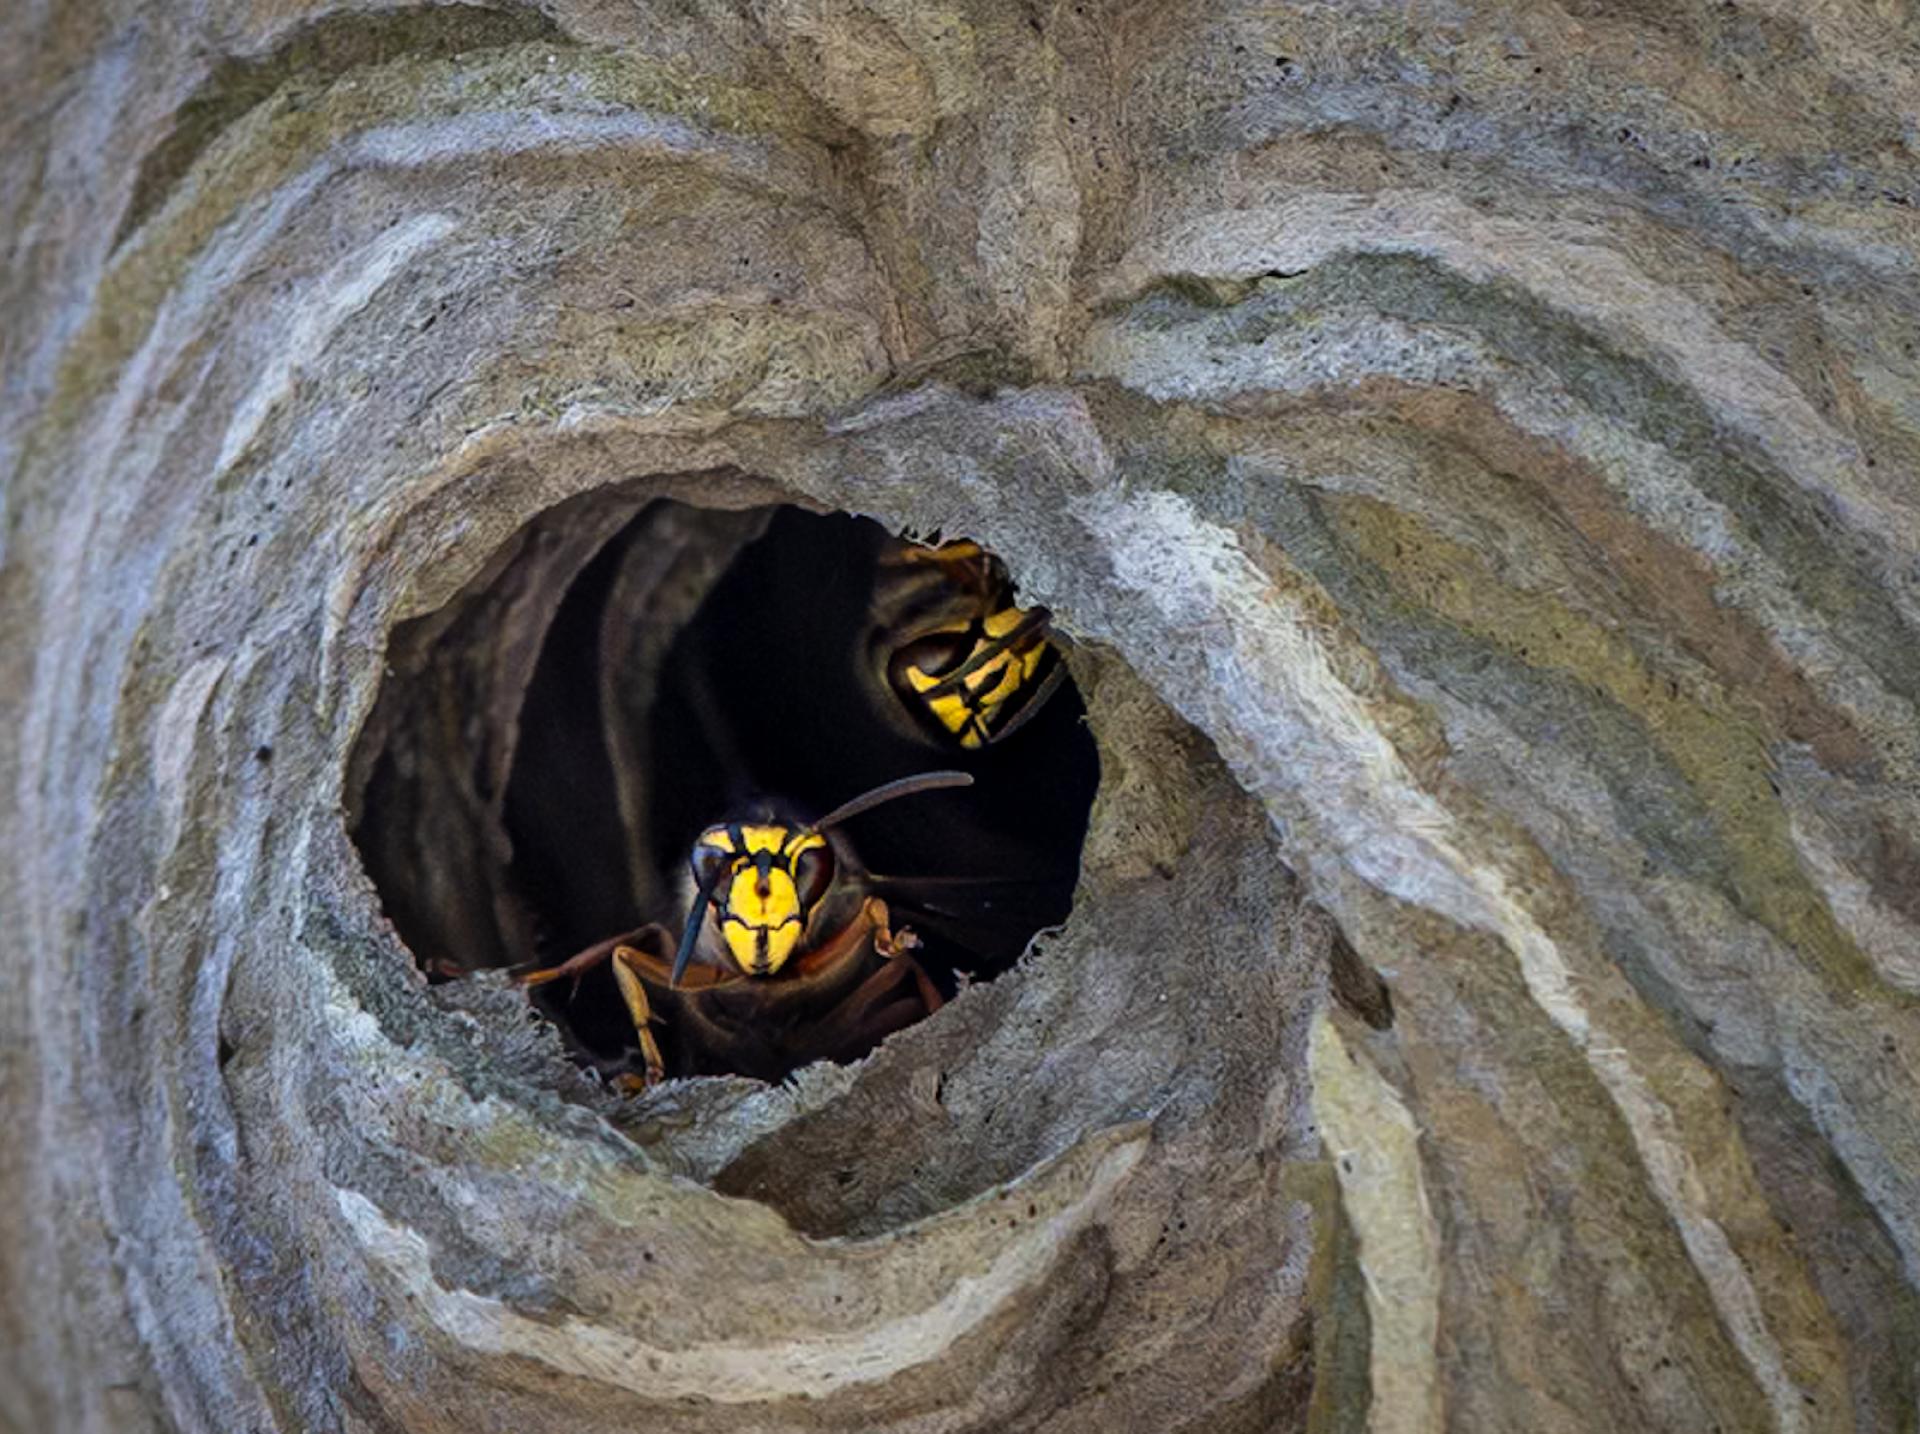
{"x":709,"y":863}
{"x":737,"y":760}
{"x":812,"y":873}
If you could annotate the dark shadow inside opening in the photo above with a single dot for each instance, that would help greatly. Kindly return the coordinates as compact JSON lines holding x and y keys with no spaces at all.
{"x":548,"y":748}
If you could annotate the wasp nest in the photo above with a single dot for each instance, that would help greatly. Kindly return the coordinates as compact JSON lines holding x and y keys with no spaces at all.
{"x":1472,"y":453}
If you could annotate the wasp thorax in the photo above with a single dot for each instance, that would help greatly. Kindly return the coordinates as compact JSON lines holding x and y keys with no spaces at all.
{"x":762,"y":882}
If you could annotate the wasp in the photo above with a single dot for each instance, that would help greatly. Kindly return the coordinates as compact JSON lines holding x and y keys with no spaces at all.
{"x":787,"y":953}
{"x":968,"y":663}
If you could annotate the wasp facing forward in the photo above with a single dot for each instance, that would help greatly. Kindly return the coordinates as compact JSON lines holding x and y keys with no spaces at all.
{"x":786,"y":955}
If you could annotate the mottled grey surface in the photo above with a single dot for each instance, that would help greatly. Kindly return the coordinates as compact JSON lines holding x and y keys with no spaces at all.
{"x":1477,"y":451}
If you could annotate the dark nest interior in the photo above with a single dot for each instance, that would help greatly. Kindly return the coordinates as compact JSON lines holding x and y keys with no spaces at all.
{"x":548,"y":746}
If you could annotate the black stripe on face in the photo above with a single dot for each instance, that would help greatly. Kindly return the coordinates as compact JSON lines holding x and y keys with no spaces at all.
{"x":732,"y":919}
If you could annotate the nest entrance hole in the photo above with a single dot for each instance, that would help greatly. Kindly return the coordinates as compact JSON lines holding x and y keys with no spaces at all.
{"x":547,"y":747}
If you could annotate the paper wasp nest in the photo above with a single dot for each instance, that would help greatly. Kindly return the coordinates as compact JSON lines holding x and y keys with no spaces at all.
{"x":1474,"y":454}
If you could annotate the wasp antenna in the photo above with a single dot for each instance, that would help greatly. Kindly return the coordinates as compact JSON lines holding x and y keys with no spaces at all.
{"x":1031,"y":707}
{"x":692,"y":934}
{"x":904,"y":787}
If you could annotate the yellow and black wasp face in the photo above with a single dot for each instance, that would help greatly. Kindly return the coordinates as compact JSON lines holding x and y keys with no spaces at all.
{"x":985,"y":665}
{"x":762,"y":881}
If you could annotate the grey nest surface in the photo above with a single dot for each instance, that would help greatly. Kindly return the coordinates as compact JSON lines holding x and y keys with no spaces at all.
{"x":1473,"y":456}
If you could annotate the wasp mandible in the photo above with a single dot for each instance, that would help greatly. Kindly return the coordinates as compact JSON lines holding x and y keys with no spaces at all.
{"x":959,"y":653}
{"x":787,"y":953}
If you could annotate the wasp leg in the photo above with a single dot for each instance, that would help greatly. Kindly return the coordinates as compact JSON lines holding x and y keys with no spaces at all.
{"x":897,"y":947}
{"x":627,"y":963}
{"x":870,"y":920}
{"x":888,"y":942}
{"x":1031,"y":706}
{"x":575,"y":966}
{"x":879,"y":1006}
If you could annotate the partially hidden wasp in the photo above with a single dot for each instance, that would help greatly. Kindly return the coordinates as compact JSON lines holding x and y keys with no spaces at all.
{"x":787,"y":952}
{"x":964,"y":660}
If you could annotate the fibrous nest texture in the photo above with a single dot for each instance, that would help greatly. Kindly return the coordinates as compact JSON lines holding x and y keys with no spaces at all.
{"x":1475,"y":454}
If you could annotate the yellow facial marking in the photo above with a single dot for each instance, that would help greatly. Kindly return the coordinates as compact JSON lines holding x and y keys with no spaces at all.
{"x":756,"y":902}
{"x":761,"y":918}
{"x":762,"y":900}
